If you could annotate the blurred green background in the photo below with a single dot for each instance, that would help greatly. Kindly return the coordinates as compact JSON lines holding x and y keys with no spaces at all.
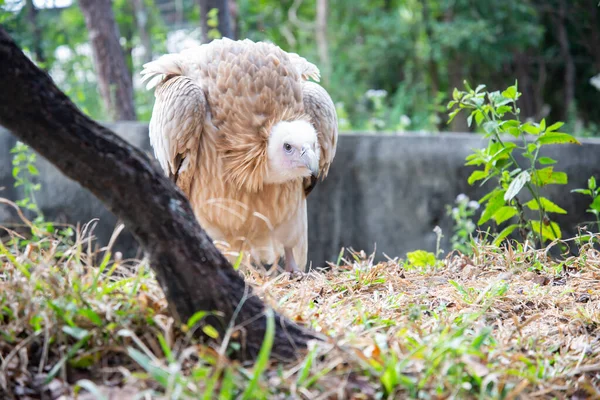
{"x":390,"y":65}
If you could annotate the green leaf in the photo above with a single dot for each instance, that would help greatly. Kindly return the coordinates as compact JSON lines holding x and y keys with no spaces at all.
{"x":455,"y":94}
{"x":161,"y":376}
{"x":495,"y":203}
{"x":165,"y":348}
{"x":479,"y":117}
{"x":503,"y":152}
{"x":421,"y":258}
{"x":305,"y":371}
{"x":91,"y":315}
{"x":592,"y":183}
{"x":263,"y":356}
{"x":59,"y":365}
{"x":543,"y":124}
{"x":389,"y":378}
{"x":530,"y":128}
{"x":556,"y":138}
{"x":476,"y":176}
{"x":77,"y":333}
{"x":514,"y":131}
{"x":227,"y":386}
{"x":91,"y":387}
{"x":587,"y":192}
{"x":546,"y":230}
{"x":554,"y":127}
{"x":547,"y":176}
{"x":490,"y":126}
{"x":194,"y":319}
{"x":516,"y":185}
{"x":33,"y":170}
{"x":453,"y":114}
{"x":210,"y":331}
{"x":546,"y":160}
{"x":36,"y":322}
{"x":238,"y":261}
{"x":511,"y":123}
{"x":504,"y":214}
{"x":546,"y":204}
{"x":503,"y":110}
{"x":510,"y":92}
{"x":596,"y":204}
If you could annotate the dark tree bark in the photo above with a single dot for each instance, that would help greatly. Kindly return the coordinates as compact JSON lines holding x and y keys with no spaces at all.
{"x":114,"y":79}
{"x":565,"y":52}
{"x":127,"y":31}
{"x":192,"y":272}
{"x":432,"y":66}
{"x":224,"y":26}
{"x":321,"y":38}
{"x":233,"y":19}
{"x":141,"y":17}
{"x":523,"y":74}
{"x":36,"y":32}
{"x":456,"y":72}
{"x":593,"y":44}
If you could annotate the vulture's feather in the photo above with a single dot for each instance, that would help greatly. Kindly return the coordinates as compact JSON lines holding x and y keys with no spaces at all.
{"x":214,"y":110}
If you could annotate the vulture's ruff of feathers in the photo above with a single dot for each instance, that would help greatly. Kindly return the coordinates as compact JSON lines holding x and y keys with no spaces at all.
{"x":215,"y":107}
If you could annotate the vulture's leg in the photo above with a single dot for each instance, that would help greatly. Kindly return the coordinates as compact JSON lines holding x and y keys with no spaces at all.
{"x":290,"y":263}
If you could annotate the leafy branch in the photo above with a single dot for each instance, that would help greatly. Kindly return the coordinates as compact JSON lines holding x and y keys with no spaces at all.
{"x":491,"y":112}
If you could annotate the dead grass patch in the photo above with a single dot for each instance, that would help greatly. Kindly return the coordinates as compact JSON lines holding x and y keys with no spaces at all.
{"x":506,"y":323}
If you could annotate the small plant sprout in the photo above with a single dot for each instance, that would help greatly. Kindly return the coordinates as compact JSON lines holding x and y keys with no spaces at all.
{"x":462,"y":215}
{"x":421,"y":259}
{"x":594,"y":192}
{"x":24,"y":173}
{"x":491,"y":112}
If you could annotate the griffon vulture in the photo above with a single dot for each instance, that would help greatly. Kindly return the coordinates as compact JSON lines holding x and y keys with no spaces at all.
{"x":245,"y":135}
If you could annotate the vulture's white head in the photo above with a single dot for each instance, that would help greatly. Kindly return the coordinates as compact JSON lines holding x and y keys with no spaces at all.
{"x":292,"y":151}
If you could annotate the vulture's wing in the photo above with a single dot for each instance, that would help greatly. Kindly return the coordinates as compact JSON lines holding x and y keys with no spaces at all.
{"x":319,"y":106}
{"x":176,"y":123}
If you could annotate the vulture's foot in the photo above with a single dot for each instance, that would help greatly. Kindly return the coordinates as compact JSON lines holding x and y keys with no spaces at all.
{"x":290,"y":263}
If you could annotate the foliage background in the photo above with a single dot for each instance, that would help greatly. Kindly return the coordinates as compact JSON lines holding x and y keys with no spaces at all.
{"x":390,"y":65}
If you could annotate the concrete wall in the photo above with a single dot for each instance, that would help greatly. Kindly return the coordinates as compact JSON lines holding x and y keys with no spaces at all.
{"x":387,"y":191}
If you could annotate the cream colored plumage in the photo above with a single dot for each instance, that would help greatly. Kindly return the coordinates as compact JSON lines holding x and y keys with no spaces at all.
{"x":217,"y":108}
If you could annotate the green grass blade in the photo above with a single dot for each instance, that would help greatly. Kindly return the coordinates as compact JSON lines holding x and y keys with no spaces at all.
{"x":263,"y":356}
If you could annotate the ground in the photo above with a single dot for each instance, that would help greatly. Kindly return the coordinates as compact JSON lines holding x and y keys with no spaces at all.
{"x":503,"y":323}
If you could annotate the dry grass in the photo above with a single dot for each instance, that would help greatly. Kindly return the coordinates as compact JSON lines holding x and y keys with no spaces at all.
{"x":506,"y":323}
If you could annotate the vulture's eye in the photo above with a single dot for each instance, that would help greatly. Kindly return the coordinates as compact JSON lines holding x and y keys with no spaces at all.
{"x":287,"y":147}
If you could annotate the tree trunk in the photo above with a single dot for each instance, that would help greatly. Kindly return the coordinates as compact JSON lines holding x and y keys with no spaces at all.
{"x":523,"y":74}
{"x":456,"y":78}
{"x":224,"y":26}
{"x":36,"y":33}
{"x":432,"y":66}
{"x":114,"y":78}
{"x":594,"y":41}
{"x":233,"y":19}
{"x":565,"y":52}
{"x":321,"y":37}
{"x":141,"y":17}
{"x":194,"y":275}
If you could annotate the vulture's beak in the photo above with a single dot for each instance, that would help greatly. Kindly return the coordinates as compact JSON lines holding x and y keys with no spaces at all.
{"x":309,"y":157}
